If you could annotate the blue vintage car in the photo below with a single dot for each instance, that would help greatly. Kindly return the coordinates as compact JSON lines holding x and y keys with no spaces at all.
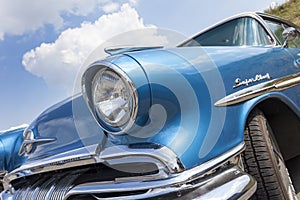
{"x":217,"y":117}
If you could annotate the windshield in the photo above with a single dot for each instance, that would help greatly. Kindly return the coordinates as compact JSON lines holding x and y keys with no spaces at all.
{"x":244,"y":31}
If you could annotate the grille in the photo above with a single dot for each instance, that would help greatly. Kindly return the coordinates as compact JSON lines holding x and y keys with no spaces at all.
{"x":54,"y":185}
{"x":47,"y":187}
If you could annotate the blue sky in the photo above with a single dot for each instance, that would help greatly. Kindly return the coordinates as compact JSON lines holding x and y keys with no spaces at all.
{"x":43,"y":43}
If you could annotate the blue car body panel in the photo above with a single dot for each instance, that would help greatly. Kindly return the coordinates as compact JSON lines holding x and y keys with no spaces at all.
{"x":217,"y":137}
{"x":194,"y":128}
{"x":71,"y":128}
{"x":10,"y":142}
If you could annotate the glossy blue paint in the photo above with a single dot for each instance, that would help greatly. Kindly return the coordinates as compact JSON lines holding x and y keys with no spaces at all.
{"x":183,"y":116}
{"x":70,"y":123}
{"x":197,"y":68}
{"x":190,"y":96}
{"x":10,"y":142}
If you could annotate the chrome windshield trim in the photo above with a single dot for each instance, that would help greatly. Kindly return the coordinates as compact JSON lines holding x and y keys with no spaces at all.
{"x":275,"y":85}
{"x":174,"y":182}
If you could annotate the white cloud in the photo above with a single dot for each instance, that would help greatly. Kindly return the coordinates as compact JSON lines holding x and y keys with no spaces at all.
{"x":57,"y":63}
{"x":111,"y":7}
{"x":18,"y":17}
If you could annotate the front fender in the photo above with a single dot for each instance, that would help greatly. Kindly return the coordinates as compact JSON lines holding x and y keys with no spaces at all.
{"x":184,"y":86}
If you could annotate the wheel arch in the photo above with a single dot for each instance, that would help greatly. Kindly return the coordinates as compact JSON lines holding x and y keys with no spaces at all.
{"x":284,"y":122}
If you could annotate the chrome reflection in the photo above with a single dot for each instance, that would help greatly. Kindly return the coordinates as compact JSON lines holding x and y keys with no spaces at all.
{"x":171,"y":176}
{"x":159,"y":155}
{"x":275,"y":85}
{"x":30,"y":140}
{"x":230,"y":181}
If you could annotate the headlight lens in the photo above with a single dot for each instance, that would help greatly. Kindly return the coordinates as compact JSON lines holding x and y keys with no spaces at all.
{"x":113,"y":98}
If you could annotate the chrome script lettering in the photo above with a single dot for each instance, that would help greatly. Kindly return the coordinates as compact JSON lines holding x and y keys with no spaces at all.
{"x":246,"y":82}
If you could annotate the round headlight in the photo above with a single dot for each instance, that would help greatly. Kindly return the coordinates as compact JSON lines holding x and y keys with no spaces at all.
{"x":113,"y":98}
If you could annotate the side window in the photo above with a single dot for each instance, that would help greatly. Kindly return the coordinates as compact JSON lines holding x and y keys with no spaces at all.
{"x":239,"y":32}
{"x":277,"y":28}
{"x":256,"y":35}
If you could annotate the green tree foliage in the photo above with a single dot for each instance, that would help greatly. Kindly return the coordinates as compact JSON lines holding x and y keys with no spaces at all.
{"x":289,"y":11}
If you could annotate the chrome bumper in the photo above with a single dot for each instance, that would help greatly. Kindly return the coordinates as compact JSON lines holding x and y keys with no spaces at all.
{"x":232,"y":183}
{"x":219,"y":178}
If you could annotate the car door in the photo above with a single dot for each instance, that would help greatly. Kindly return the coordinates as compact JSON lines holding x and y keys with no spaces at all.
{"x":293,"y":48}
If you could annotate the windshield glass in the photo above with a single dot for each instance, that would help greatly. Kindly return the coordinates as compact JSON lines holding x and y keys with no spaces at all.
{"x":244,"y":31}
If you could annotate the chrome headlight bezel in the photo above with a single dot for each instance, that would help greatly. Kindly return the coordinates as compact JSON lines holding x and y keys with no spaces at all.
{"x":88,"y":87}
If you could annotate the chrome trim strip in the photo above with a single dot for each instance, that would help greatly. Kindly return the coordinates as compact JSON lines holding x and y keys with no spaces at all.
{"x":278,"y":84}
{"x":125,"y":49}
{"x":33,"y":141}
{"x":176,"y":182}
{"x":39,"y":140}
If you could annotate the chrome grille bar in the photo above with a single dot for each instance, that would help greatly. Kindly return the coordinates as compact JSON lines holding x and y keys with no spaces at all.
{"x":48,"y":187}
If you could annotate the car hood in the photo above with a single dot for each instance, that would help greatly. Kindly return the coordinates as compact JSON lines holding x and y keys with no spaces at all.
{"x":70,"y":124}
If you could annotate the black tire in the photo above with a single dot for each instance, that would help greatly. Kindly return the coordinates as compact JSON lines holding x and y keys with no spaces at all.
{"x":263,"y":160}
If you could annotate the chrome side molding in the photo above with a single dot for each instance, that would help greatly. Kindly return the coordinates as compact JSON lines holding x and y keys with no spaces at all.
{"x":278,"y":84}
